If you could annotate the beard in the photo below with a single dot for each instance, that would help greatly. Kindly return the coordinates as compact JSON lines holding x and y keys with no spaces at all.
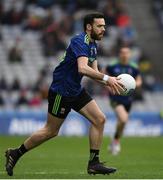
{"x":96,"y":36}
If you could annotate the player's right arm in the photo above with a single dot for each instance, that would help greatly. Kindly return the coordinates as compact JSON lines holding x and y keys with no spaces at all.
{"x":137,"y":75}
{"x":138,"y":81}
{"x":84,"y":69}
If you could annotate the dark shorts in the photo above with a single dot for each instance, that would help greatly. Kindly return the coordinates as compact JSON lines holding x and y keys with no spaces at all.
{"x":116,"y":103}
{"x":60,"y":106}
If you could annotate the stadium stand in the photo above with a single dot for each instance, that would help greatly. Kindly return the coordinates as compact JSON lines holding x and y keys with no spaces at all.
{"x":34,"y":34}
{"x":149,"y":34}
{"x":158,"y":12}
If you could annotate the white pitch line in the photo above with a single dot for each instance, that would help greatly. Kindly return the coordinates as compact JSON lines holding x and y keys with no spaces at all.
{"x":65,"y":173}
{"x":43,"y":172}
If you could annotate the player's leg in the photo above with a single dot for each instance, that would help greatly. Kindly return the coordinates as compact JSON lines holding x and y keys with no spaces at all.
{"x":50,"y":130}
{"x":55,"y":118}
{"x":122,"y":118}
{"x":93,"y":113}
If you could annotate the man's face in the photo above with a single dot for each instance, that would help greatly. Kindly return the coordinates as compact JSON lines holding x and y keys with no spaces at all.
{"x":98,"y":29}
{"x":125,"y":55}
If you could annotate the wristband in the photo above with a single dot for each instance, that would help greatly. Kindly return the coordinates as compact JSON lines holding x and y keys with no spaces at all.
{"x":105,"y":78}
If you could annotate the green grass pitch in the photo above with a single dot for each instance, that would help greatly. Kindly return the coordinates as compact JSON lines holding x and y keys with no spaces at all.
{"x":66,"y":158}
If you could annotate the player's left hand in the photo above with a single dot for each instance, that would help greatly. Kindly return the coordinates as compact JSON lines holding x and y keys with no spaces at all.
{"x":114,"y":86}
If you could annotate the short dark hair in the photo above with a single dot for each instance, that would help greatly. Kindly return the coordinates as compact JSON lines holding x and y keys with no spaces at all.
{"x":89,"y":18}
{"x":124,"y":46}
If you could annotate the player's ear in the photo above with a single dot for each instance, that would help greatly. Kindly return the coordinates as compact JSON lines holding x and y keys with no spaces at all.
{"x":89,"y":27}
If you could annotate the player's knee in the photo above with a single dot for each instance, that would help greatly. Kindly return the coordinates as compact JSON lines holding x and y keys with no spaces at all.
{"x":124,"y":119}
{"x":101,"y":120}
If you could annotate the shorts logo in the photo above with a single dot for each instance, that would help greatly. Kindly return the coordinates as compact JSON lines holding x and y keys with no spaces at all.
{"x":62,"y":110}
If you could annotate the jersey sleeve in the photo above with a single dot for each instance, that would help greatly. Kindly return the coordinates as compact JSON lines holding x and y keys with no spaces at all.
{"x":79,"y":48}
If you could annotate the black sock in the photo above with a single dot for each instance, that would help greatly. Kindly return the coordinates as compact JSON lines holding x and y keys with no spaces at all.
{"x":22,"y":150}
{"x":116,"y":136}
{"x":94,"y":155}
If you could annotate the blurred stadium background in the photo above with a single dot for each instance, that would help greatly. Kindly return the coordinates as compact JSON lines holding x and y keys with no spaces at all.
{"x":33,"y":37}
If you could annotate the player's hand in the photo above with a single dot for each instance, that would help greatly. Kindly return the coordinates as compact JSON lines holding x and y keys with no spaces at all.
{"x":114,"y":86}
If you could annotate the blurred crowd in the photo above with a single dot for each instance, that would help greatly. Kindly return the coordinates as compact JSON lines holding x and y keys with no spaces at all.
{"x":157,"y":9}
{"x":56,"y":21}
